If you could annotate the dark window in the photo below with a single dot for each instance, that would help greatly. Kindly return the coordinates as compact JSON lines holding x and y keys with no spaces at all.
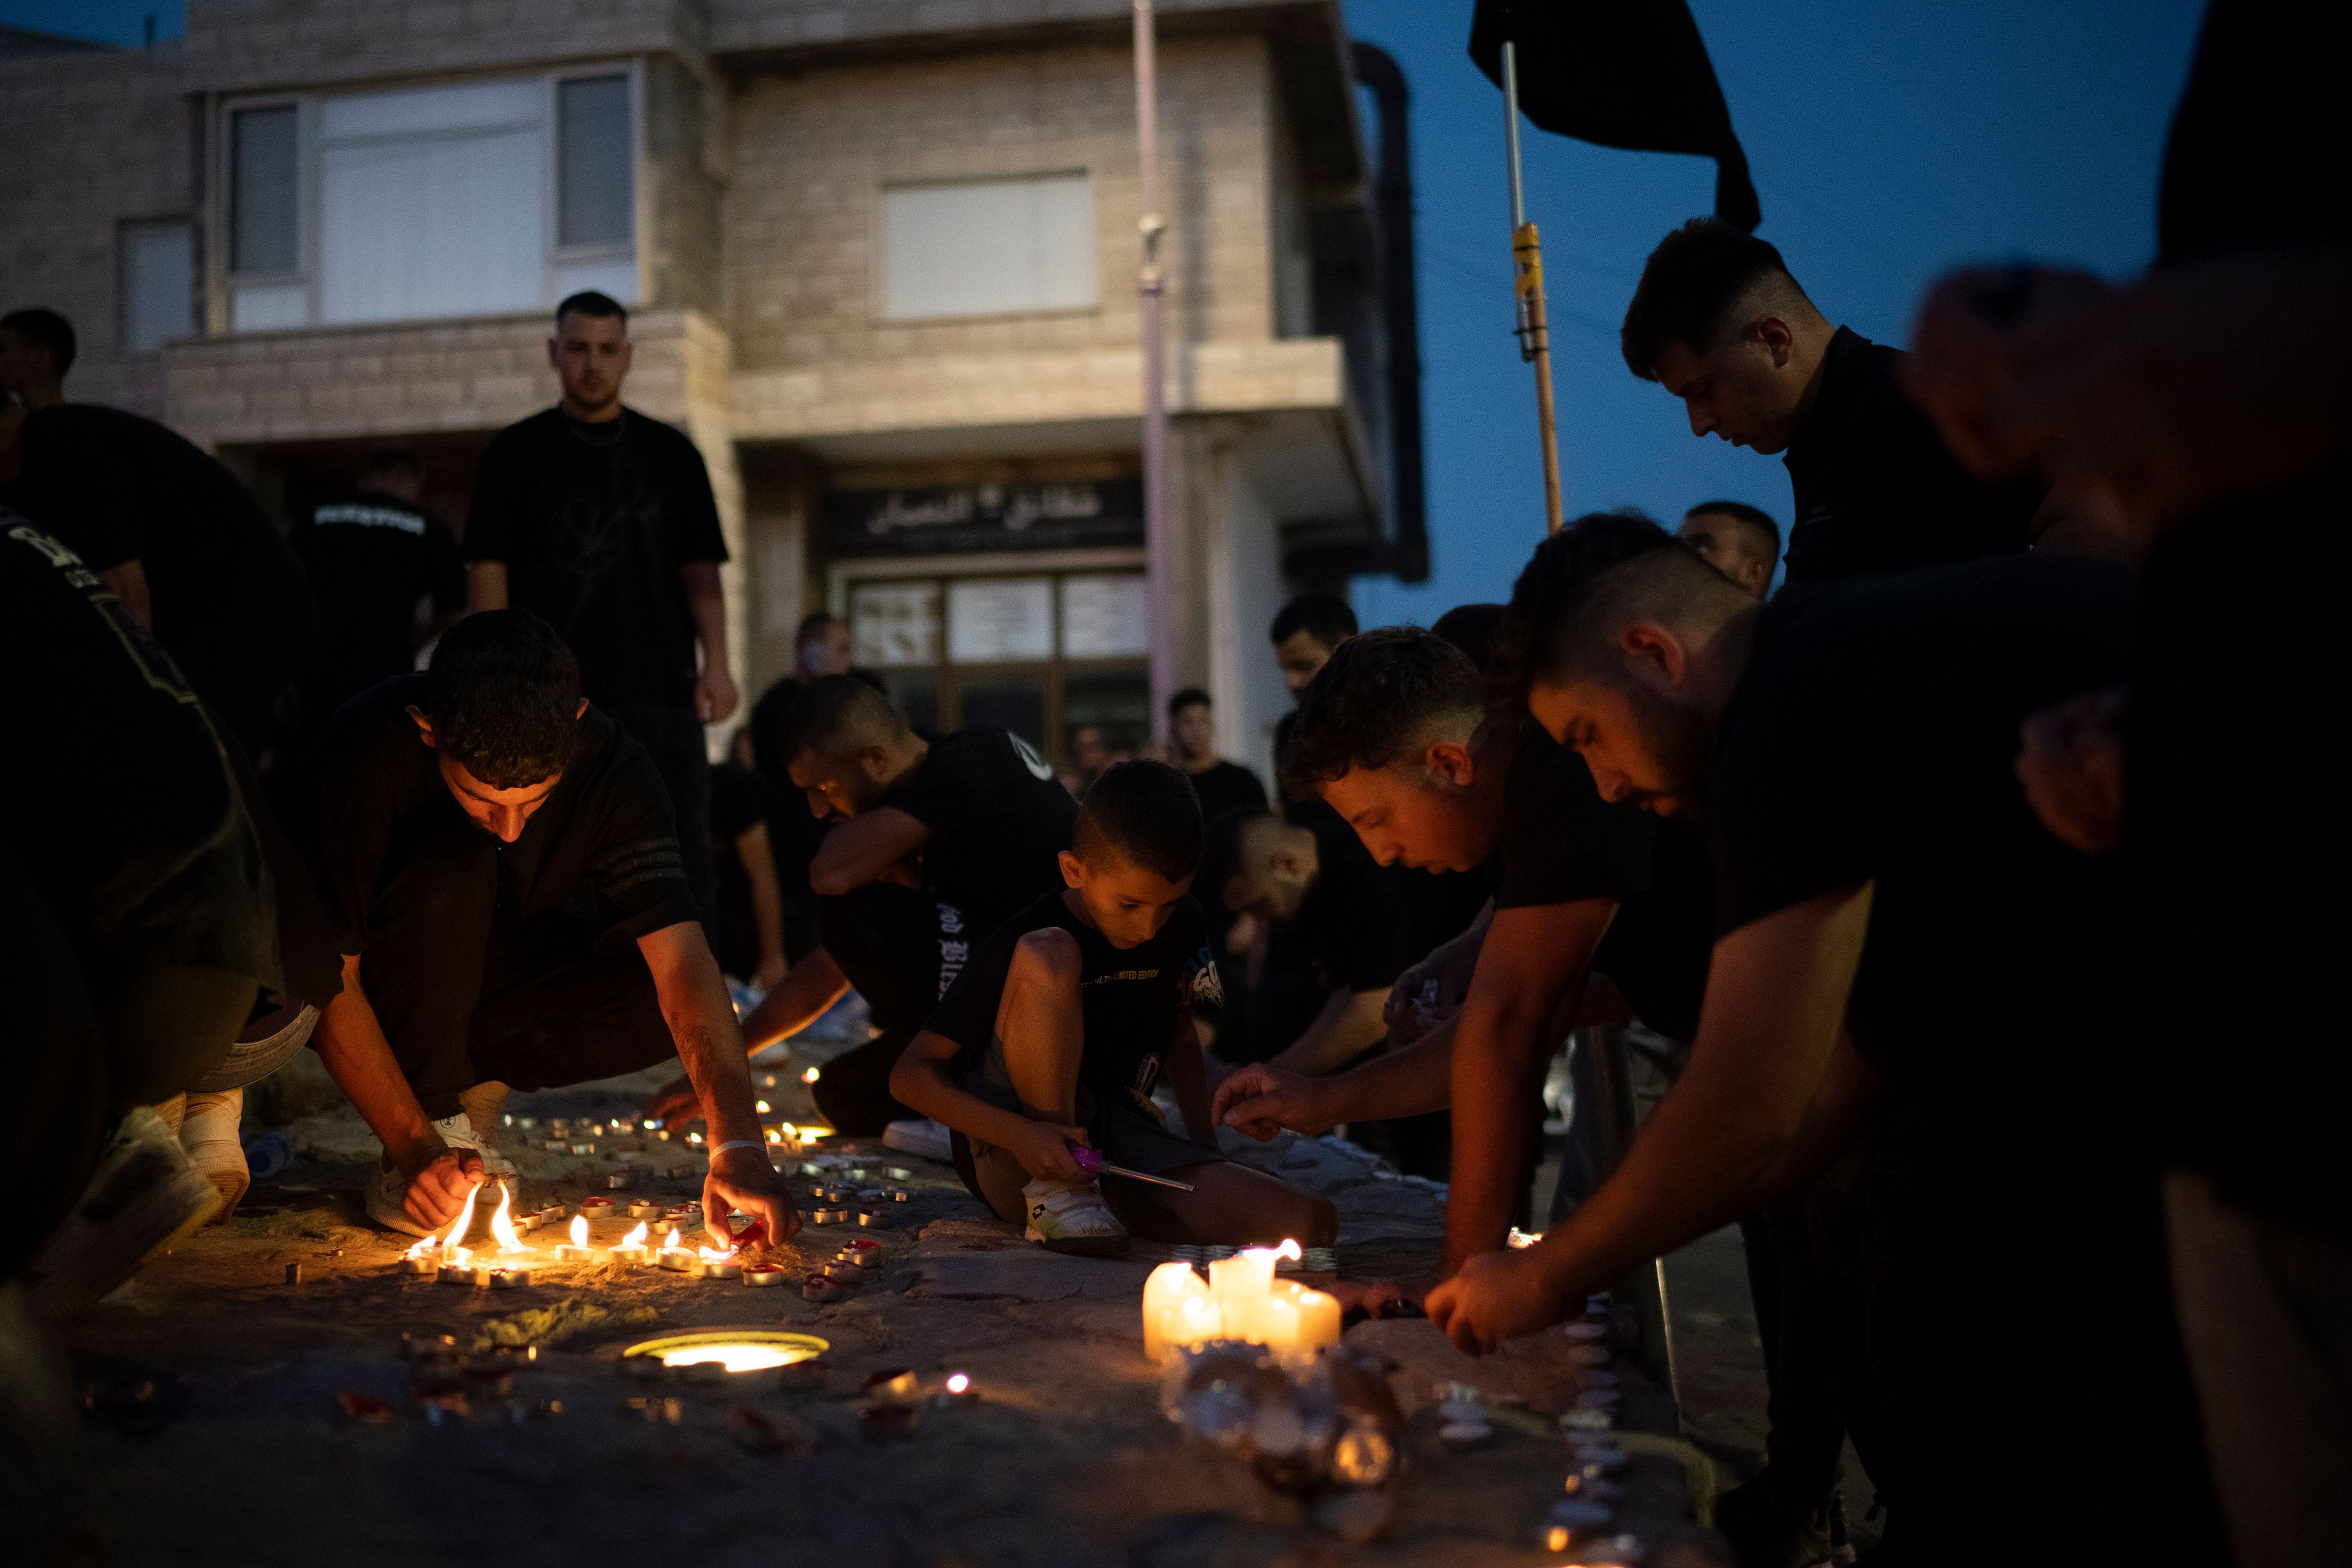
{"x":597,"y":206}
{"x":263,"y":235}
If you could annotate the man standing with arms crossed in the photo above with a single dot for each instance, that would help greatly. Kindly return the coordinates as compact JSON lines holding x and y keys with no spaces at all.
{"x":600,"y":519}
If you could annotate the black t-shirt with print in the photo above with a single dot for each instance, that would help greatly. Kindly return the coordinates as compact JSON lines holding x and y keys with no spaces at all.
{"x":1133,"y":999}
{"x":999,"y":822}
{"x":230,"y":601}
{"x":371,"y":558}
{"x":1225,"y":787}
{"x":1562,"y":843}
{"x":1872,"y":739}
{"x":1875,"y":488}
{"x":134,"y":834}
{"x":604,"y":843}
{"x":594,"y":522}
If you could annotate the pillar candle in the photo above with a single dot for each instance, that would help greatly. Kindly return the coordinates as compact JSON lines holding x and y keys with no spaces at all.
{"x":1170,"y":1285}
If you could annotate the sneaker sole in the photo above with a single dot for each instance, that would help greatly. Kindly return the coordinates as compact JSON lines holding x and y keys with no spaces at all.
{"x":1082,"y":1245}
{"x":147,"y":1206}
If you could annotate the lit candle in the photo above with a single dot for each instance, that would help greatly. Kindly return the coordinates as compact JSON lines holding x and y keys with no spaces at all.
{"x":424,"y":1258}
{"x":1318,"y":1319}
{"x":676,"y":1257}
{"x":633,"y":1247}
{"x":579,"y":1251}
{"x":1170,"y":1285}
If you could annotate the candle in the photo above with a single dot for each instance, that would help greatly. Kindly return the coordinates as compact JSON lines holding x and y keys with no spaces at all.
{"x":578,"y":1250}
{"x":510,"y":1278}
{"x":957,"y":1390}
{"x":766,"y":1274}
{"x":821,"y":1287}
{"x":633,"y":1247}
{"x":674,"y":1255}
{"x":1243,"y":1300}
{"x":1169,"y":1286}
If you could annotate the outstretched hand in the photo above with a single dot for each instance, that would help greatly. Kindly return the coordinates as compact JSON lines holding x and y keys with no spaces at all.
{"x":673,"y":1105}
{"x":1494,"y":1297}
{"x":437,"y":1189}
{"x":1261,"y":1101}
{"x":741,"y":1181}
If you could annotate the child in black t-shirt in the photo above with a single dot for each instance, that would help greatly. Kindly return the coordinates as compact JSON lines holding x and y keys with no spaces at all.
{"x":1063,"y":1021}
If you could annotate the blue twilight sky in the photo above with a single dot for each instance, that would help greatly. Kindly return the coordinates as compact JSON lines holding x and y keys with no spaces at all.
{"x":1889,"y":140}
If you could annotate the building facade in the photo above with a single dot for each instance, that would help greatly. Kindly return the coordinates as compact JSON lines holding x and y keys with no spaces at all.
{"x":881,"y":259}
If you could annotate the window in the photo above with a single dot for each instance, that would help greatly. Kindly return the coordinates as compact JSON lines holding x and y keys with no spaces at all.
{"x":1041,"y":656}
{"x":477,"y":198}
{"x":977,"y":248}
{"x":158,"y":288}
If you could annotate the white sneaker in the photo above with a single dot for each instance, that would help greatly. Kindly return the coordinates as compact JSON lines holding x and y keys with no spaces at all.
{"x":922,"y":1137}
{"x":143,"y":1197}
{"x":475,"y":1127}
{"x":208,"y":1132}
{"x":387,"y":1199}
{"x":1071,"y":1217}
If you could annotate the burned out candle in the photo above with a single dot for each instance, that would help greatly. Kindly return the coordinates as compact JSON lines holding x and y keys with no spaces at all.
{"x":463,"y":1273}
{"x":721,"y":1269}
{"x":765,"y":1275}
{"x":512,"y":1278}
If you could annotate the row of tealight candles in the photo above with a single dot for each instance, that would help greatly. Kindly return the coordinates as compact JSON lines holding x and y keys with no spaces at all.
{"x":509,"y":1264}
{"x":1240,"y":1299}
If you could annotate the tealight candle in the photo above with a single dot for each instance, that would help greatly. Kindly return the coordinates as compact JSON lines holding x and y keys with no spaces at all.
{"x":821,"y":1287}
{"x":512,"y":1278}
{"x":765,"y":1275}
{"x":578,"y":1250}
{"x":595,"y":1208}
{"x":465,"y":1273}
{"x":957,"y":1390}
{"x":721,"y":1269}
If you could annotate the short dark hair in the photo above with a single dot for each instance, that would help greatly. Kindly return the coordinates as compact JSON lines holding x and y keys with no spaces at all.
{"x":503,"y":693}
{"x":1755,"y":517}
{"x":1472,"y":628}
{"x":1326,"y":619}
{"x":1220,"y":847}
{"x":1555,"y":583}
{"x":593,"y":302}
{"x":1696,"y":273}
{"x":830,"y":709}
{"x":813,"y":623}
{"x":1191,"y":697}
{"x":1144,"y":813}
{"x":393,"y":462}
{"x":1375,"y":703}
{"x":44,"y":327}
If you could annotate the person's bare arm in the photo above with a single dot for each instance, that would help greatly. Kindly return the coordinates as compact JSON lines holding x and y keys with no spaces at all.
{"x":857,"y":852}
{"x":767,"y":904}
{"x":1261,"y":1099}
{"x":1768,"y":1029}
{"x":701,"y":1018}
{"x":1349,"y":1024}
{"x":1450,"y":964}
{"x":350,"y":1044}
{"x":808,"y":988}
{"x":923,"y":1079}
{"x":128,"y":579}
{"x":1534,"y":962}
{"x":486,"y":587}
{"x":714,"y":692}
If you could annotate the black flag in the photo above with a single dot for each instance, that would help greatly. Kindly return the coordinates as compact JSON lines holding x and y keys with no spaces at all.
{"x":1624,"y":73}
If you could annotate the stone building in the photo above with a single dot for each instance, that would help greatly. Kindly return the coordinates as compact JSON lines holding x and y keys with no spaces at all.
{"x":880,"y":256}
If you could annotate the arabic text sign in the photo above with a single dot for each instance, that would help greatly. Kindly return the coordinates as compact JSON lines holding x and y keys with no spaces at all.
{"x":941,"y":519}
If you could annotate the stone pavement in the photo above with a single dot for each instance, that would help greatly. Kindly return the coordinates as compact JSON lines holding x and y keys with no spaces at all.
{"x":222,"y":1432}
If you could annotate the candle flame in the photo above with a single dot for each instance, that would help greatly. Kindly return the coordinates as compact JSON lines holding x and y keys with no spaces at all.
{"x":579,"y":1230}
{"x":958,"y":1383}
{"x":1290,"y":1249}
{"x":636,"y":1237}
{"x":670,"y":1242}
{"x":502,"y":1224}
{"x":465,"y":1221}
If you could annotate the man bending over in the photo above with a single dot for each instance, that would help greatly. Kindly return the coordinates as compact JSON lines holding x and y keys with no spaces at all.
{"x":508,"y":860}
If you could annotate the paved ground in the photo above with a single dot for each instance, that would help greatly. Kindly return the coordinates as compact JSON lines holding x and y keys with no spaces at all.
{"x":220,"y":1436}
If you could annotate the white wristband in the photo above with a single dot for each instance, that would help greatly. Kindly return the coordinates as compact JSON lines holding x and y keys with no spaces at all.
{"x":737,"y":1143}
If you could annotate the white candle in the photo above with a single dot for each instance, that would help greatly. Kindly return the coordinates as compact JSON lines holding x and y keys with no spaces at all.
{"x":1170,"y":1285}
{"x":1318,"y":1319}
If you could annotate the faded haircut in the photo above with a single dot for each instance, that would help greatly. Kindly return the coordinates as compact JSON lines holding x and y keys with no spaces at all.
{"x":1381,"y":700}
{"x":1143,"y":813}
{"x":1697,"y":273}
{"x":833,"y":714}
{"x":503,"y":693}
{"x":1660,"y":586}
{"x":1551,"y":587}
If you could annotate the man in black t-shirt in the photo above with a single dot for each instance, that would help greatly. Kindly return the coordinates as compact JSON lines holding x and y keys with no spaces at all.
{"x":371,"y":558}
{"x":1220,"y":785}
{"x":506,"y":862}
{"x":183,"y":544}
{"x":1064,"y":1022}
{"x":1394,"y":735}
{"x":761,"y":843}
{"x":929,"y":845}
{"x":1906,"y":961}
{"x":600,"y":520}
{"x":1329,"y":909}
{"x":1718,"y":320}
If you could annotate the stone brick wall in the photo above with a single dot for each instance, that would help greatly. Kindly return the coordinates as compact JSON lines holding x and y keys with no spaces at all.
{"x":813,"y":152}
{"x":800,"y":24}
{"x":92,"y":141}
{"x":246,"y":45}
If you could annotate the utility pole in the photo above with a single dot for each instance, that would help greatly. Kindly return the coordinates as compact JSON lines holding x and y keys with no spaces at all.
{"x":1159,"y":628}
{"x":1527,"y":282}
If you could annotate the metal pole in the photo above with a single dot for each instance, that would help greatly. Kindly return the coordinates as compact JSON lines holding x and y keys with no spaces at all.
{"x":1526,"y":261}
{"x":1159,"y":629}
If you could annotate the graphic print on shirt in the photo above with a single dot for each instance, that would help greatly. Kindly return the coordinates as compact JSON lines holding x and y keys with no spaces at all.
{"x":586,"y":539}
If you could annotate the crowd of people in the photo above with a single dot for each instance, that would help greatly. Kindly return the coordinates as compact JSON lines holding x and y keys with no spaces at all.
{"x":1968,"y":841}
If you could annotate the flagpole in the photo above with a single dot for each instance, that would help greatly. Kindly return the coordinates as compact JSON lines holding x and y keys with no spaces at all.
{"x":1526,"y":276}
{"x":1157,"y":619}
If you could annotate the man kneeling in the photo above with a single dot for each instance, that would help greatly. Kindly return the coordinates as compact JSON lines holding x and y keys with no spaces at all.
{"x":1063,"y":1022}
{"x":506,"y":860}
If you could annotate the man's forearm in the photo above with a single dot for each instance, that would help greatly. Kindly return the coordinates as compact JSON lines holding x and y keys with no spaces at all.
{"x":921,"y":1080}
{"x":1410,"y":1082}
{"x":1496,"y":1087}
{"x":707,"y":603}
{"x":1349,"y":1024}
{"x":351,"y":1046}
{"x":701,"y":1018}
{"x":807,"y":989}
